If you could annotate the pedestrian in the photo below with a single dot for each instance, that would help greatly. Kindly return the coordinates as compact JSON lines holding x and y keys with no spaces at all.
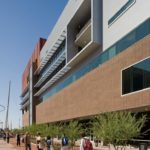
{"x":82,"y":142}
{"x":18,"y":139}
{"x":22,"y":138}
{"x":39,"y":142}
{"x":4,"y":136}
{"x":64,"y":143}
{"x":27,"y":141}
{"x":88,"y":144}
{"x":48,"y":142}
{"x":7,"y":137}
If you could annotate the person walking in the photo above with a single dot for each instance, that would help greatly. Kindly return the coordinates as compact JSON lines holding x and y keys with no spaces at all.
{"x":18,"y":139}
{"x":82,"y":142}
{"x":27,"y":141}
{"x":39,"y":142}
{"x":4,"y":136}
{"x":64,"y":143}
{"x":7,"y":137}
{"x":48,"y":142}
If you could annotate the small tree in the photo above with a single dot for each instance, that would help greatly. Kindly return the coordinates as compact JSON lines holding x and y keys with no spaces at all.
{"x":42,"y":129}
{"x":33,"y":129}
{"x":55,"y":130}
{"x":15,"y":131}
{"x":117,"y":127}
{"x":73,"y":130}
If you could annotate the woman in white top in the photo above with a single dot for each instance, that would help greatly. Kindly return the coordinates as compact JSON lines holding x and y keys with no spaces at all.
{"x":82,"y":142}
{"x":39,"y":142}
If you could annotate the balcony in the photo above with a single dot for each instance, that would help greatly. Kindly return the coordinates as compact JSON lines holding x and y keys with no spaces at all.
{"x":84,"y":35}
{"x":25,"y":98}
{"x":51,"y":50}
{"x":51,"y":68}
{"x":63,"y":71}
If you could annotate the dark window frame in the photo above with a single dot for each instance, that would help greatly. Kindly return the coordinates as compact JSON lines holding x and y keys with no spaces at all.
{"x":131,"y":78}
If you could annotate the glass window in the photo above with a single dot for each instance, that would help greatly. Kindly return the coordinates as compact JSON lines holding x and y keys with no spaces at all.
{"x":104,"y":56}
{"x":121,"y":11}
{"x":143,"y":30}
{"x":126,"y":79}
{"x":136,"y":77}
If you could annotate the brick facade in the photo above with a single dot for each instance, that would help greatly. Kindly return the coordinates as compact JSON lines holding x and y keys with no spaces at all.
{"x":25,"y":119}
{"x":98,"y":91}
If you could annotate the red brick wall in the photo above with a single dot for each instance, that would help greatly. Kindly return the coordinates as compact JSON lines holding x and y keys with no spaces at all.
{"x":25,"y":119}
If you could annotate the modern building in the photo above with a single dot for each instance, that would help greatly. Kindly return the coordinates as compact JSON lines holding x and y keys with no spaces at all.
{"x":95,"y":60}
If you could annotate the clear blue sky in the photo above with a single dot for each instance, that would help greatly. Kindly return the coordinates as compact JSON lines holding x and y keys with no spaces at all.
{"x":22,"y":22}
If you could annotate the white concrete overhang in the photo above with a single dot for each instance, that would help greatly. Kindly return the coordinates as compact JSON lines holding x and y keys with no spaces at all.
{"x":52,"y":51}
{"x":51,"y":68}
{"x":53,"y":79}
{"x":86,"y":51}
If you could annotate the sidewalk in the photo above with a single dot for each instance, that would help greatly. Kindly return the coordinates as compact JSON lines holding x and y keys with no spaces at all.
{"x":21,"y":147}
{"x":5,"y":146}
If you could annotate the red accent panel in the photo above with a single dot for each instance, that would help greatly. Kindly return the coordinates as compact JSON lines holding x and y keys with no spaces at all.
{"x":35,"y":58}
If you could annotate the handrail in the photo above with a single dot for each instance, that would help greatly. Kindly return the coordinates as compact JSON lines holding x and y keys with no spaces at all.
{"x":140,"y":140}
{"x":83,"y":28}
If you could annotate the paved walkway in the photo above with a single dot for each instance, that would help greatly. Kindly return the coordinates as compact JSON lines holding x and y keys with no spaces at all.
{"x":5,"y":146}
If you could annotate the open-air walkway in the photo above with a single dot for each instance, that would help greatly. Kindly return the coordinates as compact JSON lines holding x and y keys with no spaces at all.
{"x":12,"y":146}
{"x":5,"y":146}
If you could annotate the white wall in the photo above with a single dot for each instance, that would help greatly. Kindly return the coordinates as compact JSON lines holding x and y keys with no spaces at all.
{"x":61,"y":24}
{"x":134,"y":16}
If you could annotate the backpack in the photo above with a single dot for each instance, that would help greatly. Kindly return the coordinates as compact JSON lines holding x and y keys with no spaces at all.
{"x":48,"y":143}
{"x":88,"y":145}
{"x":64,"y":141}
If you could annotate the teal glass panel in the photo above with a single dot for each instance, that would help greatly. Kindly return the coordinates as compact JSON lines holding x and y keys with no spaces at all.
{"x":143,"y":30}
{"x":104,"y":56}
{"x":112,"y":52}
{"x":126,"y":42}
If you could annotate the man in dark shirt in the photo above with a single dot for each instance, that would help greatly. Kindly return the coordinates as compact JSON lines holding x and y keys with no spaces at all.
{"x":27,"y":141}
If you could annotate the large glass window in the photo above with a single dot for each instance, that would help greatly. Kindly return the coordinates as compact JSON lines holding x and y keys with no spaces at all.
{"x":136,"y":77}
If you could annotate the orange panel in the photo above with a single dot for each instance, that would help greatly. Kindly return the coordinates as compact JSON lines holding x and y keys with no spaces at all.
{"x":34,"y":57}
